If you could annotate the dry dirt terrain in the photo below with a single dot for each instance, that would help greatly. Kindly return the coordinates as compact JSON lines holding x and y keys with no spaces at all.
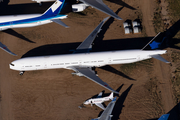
{"x":145,"y":87}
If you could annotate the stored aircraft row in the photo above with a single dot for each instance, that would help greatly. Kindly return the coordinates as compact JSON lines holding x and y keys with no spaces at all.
{"x":82,"y":61}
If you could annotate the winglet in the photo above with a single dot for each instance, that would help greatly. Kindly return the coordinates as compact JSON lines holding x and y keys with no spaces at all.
{"x":55,"y":8}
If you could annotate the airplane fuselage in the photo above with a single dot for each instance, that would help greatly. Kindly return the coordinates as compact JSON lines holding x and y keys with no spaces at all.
{"x":96,"y":59}
{"x":97,"y":100}
{"x":20,"y":21}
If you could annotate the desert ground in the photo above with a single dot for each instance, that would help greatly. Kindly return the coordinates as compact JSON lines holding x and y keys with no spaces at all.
{"x":145,"y":87}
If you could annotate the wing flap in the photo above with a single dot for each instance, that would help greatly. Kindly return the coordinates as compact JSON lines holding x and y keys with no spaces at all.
{"x":88,"y":73}
{"x":98,"y":4}
{"x":3,"y":47}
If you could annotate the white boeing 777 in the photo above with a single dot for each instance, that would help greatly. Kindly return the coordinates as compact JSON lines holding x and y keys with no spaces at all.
{"x":98,"y":4}
{"x":99,"y":100}
{"x":31,"y":20}
{"x":82,"y":61}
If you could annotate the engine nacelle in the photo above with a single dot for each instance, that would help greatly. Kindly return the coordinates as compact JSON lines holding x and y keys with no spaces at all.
{"x":79,"y":7}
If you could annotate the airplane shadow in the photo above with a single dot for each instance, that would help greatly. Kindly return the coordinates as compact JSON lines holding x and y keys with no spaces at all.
{"x":174,"y":113}
{"x":119,"y":103}
{"x":120,"y":2}
{"x":14,"y":33}
{"x":113,"y":70}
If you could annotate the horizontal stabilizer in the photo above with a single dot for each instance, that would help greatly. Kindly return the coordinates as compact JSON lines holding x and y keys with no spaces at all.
{"x":2,"y":46}
{"x":60,"y":22}
{"x":160,"y":58}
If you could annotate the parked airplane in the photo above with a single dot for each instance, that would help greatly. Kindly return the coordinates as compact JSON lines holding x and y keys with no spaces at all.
{"x":82,"y":61}
{"x":98,"y":4}
{"x":106,"y":115}
{"x":164,"y":117}
{"x":99,"y":100}
{"x":31,"y":20}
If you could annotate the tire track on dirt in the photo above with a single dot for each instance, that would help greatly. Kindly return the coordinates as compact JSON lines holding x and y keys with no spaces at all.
{"x":162,"y":71}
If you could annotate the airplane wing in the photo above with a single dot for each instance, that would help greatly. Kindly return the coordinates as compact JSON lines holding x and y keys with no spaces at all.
{"x":100,"y":95}
{"x":100,"y":105}
{"x":98,"y":4}
{"x":86,"y":45}
{"x":2,"y":46}
{"x":60,"y":22}
{"x":106,"y":115}
{"x":88,"y":73}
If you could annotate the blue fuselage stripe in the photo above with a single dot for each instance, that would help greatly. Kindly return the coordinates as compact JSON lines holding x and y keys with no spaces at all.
{"x":31,"y":20}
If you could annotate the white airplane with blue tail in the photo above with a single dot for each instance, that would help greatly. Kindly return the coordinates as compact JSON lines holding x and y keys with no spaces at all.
{"x":31,"y":20}
{"x":82,"y":61}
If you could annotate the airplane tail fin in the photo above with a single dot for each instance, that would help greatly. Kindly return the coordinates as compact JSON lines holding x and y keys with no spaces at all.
{"x":55,"y":8}
{"x":153,"y":44}
{"x":111,"y":96}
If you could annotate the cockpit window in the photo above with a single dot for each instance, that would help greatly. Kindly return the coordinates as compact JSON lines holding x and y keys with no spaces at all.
{"x":12,"y":64}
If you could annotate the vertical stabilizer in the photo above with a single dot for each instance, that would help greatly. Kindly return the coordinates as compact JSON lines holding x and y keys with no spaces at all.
{"x":55,"y":8}
{"x":111,"y":96}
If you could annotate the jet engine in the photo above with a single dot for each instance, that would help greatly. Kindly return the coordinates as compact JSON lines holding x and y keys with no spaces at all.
{"x":79,"y":7}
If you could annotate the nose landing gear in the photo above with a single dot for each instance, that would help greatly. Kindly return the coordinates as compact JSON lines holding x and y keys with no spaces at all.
{"x":21,"y":72}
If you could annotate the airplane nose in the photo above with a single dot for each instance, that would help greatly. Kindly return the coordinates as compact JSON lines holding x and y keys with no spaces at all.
{"x":85,"y":103}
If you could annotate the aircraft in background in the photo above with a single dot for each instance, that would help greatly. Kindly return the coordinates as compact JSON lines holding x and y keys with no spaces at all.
{"x":98,"y":4}
{"x":3,"y":47}
{"x":82,"y":61}
{"x":31,"y":20}
{"x":164,"y":117}
{"x":99,"y":100}
{"x":106,"y":115}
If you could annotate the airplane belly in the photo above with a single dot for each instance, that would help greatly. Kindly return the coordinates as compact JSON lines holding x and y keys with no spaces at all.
{"x":30,"y":24}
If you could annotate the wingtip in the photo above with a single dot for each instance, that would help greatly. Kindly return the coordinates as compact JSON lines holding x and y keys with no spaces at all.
{"x":116,"y":92}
